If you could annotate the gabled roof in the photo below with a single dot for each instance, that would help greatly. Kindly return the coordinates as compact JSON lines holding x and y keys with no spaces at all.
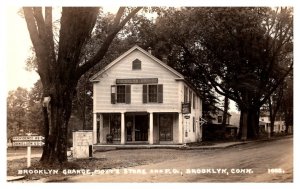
{"x":136,"y":47}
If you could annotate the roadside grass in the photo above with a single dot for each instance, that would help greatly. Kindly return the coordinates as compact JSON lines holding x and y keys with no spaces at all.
{"x":110,"y":161}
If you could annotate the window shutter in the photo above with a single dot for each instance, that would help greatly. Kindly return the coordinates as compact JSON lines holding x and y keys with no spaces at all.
{"x":145,"y":93}
{"x":160,"y":93}
{"x":127,"y":94}
{"x":194,"y":100}
{"x":113,"y":94}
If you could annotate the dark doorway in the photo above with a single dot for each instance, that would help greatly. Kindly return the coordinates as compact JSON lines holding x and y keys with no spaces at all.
{"x":141,"y":128}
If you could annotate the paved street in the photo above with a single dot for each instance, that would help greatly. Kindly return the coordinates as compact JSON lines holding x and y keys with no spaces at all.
{"x":266,"y":161}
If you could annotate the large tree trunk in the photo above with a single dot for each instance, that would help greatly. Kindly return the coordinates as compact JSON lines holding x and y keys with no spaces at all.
{"x":243,"y":126}
{"x":46,"y":134}
{"x":58,"y":114}
{"x":249,"y":124}
{"x":253,"y":123}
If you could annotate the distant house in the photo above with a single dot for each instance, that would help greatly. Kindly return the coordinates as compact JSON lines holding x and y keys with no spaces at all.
{"x":139,"y":99}
{"x":214,"y":129}
{"x":264,"y":123}
{"x":217,"y":117}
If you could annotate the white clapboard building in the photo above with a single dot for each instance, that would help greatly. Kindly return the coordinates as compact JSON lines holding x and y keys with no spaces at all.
{"x":138,"y":99}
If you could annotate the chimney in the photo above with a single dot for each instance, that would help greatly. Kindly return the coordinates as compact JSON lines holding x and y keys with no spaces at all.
{"x":165,"y":59}
{"x":149,"y":50}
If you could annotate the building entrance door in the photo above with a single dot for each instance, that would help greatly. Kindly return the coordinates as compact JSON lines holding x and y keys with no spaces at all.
{"x":141,"y":127}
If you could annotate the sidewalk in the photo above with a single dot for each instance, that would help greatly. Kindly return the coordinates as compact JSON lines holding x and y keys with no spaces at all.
{"x":230,"y":144}
{"x":218,"y":145}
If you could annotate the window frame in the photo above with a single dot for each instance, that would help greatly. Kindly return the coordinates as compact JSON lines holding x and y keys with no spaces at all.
{"x":119,"y":94}
{"x":136,"y":64}
{"x":220,"y":119}
{"x":115,"y":94}
{"x":157,"y":95}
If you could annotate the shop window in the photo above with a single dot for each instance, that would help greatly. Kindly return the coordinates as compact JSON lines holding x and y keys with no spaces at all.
{"x":165,"y":127}
{"x":115,"y":126}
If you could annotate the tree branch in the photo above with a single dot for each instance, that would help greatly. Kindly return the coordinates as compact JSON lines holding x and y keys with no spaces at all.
{"x":48,"y":26}
{"x":37,"y":13}
{"x":32,"y":27}
{"x":119,"y":16}
{"x":105,"y":45}
{"x":36,"y":41}
{"x":76,"y":26}
{"x":275,"y":86}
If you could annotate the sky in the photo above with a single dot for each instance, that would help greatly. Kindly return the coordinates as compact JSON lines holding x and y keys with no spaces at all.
{"x":18,"y":43}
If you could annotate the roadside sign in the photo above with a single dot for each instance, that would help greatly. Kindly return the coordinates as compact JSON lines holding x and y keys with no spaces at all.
{"x":22,"y":138}
{"x":28,"y":143}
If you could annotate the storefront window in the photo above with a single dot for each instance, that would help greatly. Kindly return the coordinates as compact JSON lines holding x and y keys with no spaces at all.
{"x":115,"y":126}
{"x":165,"y":127}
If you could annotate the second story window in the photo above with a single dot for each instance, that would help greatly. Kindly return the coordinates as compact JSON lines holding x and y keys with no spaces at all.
{"x":120,"y":94}
{"x":194,"y":101}
{"x":152,"y":93}
{"x":136,"y":64}
{"x":185,"y":94}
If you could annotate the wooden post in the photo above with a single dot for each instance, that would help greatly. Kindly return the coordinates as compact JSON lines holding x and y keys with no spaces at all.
{"x":28,"y":156}
{"x":122,"y":128}
{"x":94,"y":128}
{"x":180,"y":128}
{"x":150,"y":128}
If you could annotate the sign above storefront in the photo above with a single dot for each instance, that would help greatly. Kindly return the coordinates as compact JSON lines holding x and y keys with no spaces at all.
{"x":137,"y":81}
{"x":186,"y":108}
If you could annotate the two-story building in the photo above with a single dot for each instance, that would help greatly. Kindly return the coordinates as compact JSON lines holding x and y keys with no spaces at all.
{"x":264,"y":123}
{"x":138,"y":99}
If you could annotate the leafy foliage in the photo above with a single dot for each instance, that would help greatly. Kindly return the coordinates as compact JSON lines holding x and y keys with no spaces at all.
{"x":24,"y":111}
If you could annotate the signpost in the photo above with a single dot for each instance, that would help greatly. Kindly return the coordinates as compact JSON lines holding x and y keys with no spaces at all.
{"x":29,"y":140}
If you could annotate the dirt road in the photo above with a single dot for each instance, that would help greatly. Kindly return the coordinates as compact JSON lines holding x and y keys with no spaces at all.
{"x":268,"y":161}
